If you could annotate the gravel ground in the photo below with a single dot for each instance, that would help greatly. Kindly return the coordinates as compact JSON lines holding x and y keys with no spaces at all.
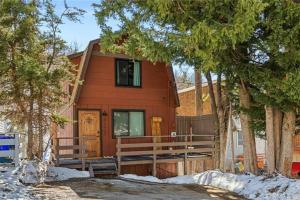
{"x":113,"y":189}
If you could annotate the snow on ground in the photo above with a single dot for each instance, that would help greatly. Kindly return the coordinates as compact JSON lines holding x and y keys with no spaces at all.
{"x":61,"y":174}
{"x":275,"y":187}
{"x":10,"y":187}
{"x":32,"y":172}
{"x":38,"y":172}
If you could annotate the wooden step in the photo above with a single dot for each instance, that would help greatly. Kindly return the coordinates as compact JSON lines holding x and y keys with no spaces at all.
{"x":99,"y":165}
{"x":105,"y":172}
{"x":105,"y":168}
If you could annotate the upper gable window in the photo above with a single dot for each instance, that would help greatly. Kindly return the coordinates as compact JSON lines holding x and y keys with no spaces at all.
{"x":128,"y":73}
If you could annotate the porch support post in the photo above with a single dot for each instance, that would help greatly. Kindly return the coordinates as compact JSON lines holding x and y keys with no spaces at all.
{"x":154,"y":157}
{"x":56,"y":149}
{"x":82,"y":148}
{"x":185,"y":155}
{"x":118,"y":155}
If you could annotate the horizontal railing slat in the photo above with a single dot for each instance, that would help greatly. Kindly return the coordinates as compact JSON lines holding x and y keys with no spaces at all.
{"x":71,"y":147}
{"x":135,"y":153}
{"x":166,"y":144}
{"x":7,"y":142}
{"x":73,"y":155}
{"x":7,"y":153}
{"x":163,"y":136}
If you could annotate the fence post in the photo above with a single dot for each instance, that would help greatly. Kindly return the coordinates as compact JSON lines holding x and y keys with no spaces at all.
{"x":154,"y":157}
{"x":185,"y":155}
{"x":17,"y":151}
{"x":118,"y":155}
{"x":82,"y":148}
{"x":57,"y":151}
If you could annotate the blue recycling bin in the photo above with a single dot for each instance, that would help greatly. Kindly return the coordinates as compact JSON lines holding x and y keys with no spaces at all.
{"x":5,"y":148}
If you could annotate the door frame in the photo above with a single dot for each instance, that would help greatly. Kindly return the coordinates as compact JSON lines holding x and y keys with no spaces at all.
{"x":76,"y":129}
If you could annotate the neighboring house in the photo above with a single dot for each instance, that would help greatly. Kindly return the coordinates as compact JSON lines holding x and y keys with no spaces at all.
{"x":2,"y":126}
{"x":187,"y":108}
{"x":188,"y":101}
{"x":115,"y":97}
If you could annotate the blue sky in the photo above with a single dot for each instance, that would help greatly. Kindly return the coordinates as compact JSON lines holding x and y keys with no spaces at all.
{"x":82,"y":32}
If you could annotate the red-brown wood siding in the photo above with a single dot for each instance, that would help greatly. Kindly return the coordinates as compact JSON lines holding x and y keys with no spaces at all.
{"x":99,"y":92}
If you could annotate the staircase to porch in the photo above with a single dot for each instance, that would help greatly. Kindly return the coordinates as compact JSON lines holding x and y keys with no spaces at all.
{"x":103,"y":167}
{"x":75,"y":157}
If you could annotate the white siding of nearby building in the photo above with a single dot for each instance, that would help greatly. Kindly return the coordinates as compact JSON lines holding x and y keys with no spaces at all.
{"x":2,"y":127}
{"x":238,"y":142}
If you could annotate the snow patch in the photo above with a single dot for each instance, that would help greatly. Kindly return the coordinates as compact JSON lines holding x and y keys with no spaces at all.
{"x":61,"y":174}
{"x":275,"y":187}
{"x":10,"y":186}
{"x":34,"y":172}
{"x":31,"y":172}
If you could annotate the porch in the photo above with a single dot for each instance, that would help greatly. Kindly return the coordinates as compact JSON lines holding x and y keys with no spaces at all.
{"x":181,"y":150}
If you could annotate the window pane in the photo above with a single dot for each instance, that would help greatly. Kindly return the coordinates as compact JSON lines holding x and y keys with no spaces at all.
{"x":121,"y":123}
{"x":136,"y":123}
{"x":136,"y":74}
{"x":122,"y":72}
{"x":130,"y":73}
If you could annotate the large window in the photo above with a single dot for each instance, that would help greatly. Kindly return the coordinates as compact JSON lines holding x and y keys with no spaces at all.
{"x":128,"y":73}
{"x":128,"y":123}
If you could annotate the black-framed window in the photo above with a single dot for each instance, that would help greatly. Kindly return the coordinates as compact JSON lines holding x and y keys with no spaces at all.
{"x":128,"y":73}
{"x":128,"y":123}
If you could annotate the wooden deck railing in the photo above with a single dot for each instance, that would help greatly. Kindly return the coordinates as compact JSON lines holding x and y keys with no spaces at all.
{"x":76,"y":146}
{"x":163,"y":146}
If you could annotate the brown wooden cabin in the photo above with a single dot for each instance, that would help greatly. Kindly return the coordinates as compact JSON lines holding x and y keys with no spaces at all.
{"x":122,"y":113}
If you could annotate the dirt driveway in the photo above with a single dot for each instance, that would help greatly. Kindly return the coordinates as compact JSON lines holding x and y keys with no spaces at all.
{"x":119,"y":189}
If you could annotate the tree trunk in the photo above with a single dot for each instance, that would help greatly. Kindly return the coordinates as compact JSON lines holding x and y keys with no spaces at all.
{"x":222,"y":124}
{"x":198,"y":92}
{"x":288,"y":131}
{"x":30,"y":127}
{"x":230,"y":137}
{"x":215,"y":118}
{"x":270,"y":153}
{"x":40,"y":128}
{"x":277,"y":135}
{"x":249,"y":148}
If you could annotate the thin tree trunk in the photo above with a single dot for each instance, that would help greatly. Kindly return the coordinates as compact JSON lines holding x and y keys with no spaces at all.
{"x":277,"y":135}
{"x":230,"y":136}
{"x":40,"y":128}
{"x":198,"y":92}
{"x":216,"y":119}
{"x":249,"y":148}
{"x":222,"y":124}
{"x":288,"y":131}
{"x":30,"y":127}
{"x":270,"y":153}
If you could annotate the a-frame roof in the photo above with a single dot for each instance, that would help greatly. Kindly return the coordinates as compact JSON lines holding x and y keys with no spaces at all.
{"x":84,"y":62}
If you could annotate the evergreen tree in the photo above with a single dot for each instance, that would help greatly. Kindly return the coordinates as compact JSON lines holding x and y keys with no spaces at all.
{"x":196,"y":31}
{"x":33,"y":67}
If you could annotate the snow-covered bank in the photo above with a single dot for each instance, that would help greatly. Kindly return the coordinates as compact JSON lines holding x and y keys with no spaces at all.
{"x":61,"y":174}
{"x":251,"y":186}
{"x":10,"y":186}
{"x":38,"y":172}
{"x":32,"y":172}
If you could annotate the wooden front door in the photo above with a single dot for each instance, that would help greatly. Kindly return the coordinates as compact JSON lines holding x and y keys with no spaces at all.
{"x":89,"y":128}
